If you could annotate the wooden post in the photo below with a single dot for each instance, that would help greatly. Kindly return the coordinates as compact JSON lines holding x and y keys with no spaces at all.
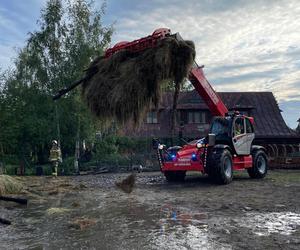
{"x":77,"y":148}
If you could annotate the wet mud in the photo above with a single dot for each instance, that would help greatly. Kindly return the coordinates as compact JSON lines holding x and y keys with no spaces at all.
{"x":90,"y":212}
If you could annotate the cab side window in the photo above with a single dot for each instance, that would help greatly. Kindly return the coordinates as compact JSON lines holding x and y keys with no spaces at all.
{"x":239,"y":126}
{"x":249,"y":127}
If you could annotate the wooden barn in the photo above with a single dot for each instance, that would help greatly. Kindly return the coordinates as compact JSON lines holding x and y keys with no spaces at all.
{"x":193,"y":119}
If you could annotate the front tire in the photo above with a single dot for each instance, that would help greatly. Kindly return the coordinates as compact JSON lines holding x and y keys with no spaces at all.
{"x":220,"y":166}
{"x":260,"y":165}
{"x":175,"y":176}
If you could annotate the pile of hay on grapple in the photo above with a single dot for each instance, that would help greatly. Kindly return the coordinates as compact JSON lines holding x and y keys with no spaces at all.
{"x":9,"y":185}
{"x":124,"y":86}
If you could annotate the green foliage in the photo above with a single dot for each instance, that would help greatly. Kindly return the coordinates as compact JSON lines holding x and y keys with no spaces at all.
{"x":10,"y":159}
{"x":115,"y":145}
{"x":120,"y":151}
{"x":30,"y":171}
{"x":11,"y":169}
{"x":67,"y":166}
{"x":47,"y":169}
{"x":70,"y":34}
{"x":106,"y":146}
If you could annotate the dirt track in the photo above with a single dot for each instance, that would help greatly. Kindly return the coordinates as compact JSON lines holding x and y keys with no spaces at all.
{"x":247,"y":214}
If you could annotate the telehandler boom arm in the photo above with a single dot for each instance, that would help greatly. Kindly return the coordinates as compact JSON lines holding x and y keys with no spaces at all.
{"x":205,"y":90}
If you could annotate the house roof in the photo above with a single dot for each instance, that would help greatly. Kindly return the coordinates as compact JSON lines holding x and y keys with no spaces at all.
{"x":262,"y":106}
{"x":268,"y":119}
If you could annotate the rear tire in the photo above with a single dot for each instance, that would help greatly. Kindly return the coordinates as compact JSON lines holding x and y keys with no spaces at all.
{"x":260,"y":165}
{"x":175,"y":176}
{"x":220,"y":166}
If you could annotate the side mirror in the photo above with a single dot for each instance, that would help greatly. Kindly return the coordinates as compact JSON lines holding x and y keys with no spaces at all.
{"x":211,"y":139}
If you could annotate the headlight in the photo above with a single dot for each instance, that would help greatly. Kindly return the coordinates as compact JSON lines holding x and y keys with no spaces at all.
{"x":194,"y":157}
{"x":199,"y":145}
{"x":160,"y":146}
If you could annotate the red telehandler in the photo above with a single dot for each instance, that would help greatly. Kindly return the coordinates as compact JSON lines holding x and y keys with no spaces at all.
{"x":227,"y":147}
{"x":229,"y":143}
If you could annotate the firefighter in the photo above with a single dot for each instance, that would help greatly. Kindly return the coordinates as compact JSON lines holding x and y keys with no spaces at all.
{"x":238,"y":128}
{"x":55,"y":157}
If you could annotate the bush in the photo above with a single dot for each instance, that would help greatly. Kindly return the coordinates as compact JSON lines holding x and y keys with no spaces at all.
{"x":106,"y":146}
{"x":10,"y":159}
{"x":11,"y":169}
{"x":114,"y":152}
{"x":67,"y":166}
{"x":30,"y":171}
{"x":47,"y":169}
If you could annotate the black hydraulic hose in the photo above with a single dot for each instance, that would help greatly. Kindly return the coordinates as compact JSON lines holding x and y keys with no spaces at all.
{"x":68,"y":89}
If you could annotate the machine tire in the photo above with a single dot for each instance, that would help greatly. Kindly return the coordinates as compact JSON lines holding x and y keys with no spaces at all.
{"x":260,"y":165}
{"x":220,"y":166}
{"x":175,"y":176}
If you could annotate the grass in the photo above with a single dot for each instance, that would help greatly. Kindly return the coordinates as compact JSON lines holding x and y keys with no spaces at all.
{"x":280,"y":176}
{"x":285,"y":176}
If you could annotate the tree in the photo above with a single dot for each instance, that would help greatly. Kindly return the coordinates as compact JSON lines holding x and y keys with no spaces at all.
{"x":176,"y":89}
{"x":298,"y":127}
{"x":70,"y":35}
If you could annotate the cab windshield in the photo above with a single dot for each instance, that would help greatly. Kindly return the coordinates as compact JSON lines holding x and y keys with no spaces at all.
{"x":220,"y":127}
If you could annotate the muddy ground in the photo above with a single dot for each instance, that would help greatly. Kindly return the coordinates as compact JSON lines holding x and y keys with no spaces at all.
{"x":89,"y":212}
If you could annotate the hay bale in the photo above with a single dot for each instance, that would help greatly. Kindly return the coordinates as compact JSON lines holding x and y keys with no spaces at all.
{"x":75,"y":204}
{"x":82,"y":223}
{"x":54,"y":192}
{"x":57,"y":210}
{"x":124,"y":86}
{"x":10,"y":185}
{"x":127,"y":184}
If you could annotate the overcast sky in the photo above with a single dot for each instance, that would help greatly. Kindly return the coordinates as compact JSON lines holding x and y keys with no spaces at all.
{"x":244,"y":45}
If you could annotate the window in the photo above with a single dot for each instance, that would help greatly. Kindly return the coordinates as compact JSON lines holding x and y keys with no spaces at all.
{"x":220,"y":126}
{"x":239,"y":126}
{"x":249,"y":127}
{"x":151,"y":117}
{"x":196,"y":117}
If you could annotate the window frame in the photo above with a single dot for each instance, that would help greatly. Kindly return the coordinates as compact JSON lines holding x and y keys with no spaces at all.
{"x":202,"y":118}
{"x":251,"y":126}
{"x":153,"y":118}
{"x":244,"y":126}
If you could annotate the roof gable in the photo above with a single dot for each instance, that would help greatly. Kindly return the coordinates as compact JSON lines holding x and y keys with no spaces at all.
{"x":261,"y":105}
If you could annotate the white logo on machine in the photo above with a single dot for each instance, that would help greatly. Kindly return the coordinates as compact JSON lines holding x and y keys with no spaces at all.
{"x":184,"y":159}
{"x":183,"y":162}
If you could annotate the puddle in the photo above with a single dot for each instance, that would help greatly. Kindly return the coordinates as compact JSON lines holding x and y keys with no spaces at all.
{"x":185,"y":231}
{"x":264,"y":224}
{"x":182,"y":228}
{"x":186,"y":237}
